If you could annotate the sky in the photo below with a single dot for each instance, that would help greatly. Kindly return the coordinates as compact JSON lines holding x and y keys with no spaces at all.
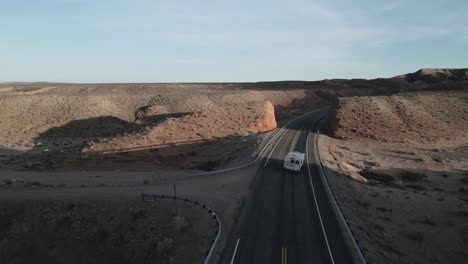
{"x":227,"y":41}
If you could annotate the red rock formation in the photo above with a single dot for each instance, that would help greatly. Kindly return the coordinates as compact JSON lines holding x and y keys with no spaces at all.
{"x":266,"y":120}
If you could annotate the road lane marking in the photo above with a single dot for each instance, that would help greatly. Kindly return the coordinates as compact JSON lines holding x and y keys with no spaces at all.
{"x":274,"y":147}
{"x":279,"y":139}
{"x":315,"y":200}
{"x":285,"y":130}
{"x":296,"y":137}
{"x":283,"y":255}
{"x":235,"y":251}
{"x":332,"y":198}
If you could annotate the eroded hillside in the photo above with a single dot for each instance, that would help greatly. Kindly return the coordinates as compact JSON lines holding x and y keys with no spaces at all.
{"x":432,"y":119}
{"x":407,"y":154}
{"x":45,"y":125}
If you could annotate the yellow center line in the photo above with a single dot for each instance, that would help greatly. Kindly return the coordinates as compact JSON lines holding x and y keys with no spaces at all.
{"x":284,"y":255}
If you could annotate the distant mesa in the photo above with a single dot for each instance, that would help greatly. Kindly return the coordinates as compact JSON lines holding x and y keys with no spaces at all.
{"x":435,"y":75}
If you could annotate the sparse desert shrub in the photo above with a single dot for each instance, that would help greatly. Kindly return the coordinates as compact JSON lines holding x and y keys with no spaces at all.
{"x":140,"y":214}
{"x":383,"y":209}
{"x":164,"y":246}
{"x":462,"y":213}
{"x":102,"y":234}
{"x":208,"y":165}
{"x":429,"y":221}
{"x":416,"y":187}
{"x":415,"y":236}
{"x":180,"y":223}
{"x":373,"y":175}
{"x":411,"y":176}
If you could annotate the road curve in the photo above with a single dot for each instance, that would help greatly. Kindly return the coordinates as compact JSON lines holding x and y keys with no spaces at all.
{"x":288,"y":218}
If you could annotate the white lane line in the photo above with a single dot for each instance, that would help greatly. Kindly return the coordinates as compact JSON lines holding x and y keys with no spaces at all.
{"x":285,"y":130}
{"x":235,"y":251}
{"x":285,"y":255}
{"x":274,"y":147}
{"x":335,"y":204}
{"x":296,"y":137}
{"x":315,"y":200}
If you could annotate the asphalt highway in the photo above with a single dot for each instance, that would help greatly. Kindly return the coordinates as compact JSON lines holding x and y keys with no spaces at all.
{"x":288,"y":218}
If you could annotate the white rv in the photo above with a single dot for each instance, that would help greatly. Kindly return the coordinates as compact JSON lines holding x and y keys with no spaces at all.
{"x":293,"y":161}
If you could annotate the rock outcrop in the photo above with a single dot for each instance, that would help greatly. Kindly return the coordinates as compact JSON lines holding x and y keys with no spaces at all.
{"x":215,"y":122}
{"x":266,"y":120}
{"x":435,"y":75}
{"x":149,"y":110}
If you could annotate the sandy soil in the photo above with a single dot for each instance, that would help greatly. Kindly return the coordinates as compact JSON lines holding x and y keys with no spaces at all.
{"x":407,"y":156}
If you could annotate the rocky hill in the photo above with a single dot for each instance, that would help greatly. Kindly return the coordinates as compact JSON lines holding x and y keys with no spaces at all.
{"x":71,"y":118}
{"x":215,"y":122}
{"x":436,"y":118}
{"x":435,"y":75}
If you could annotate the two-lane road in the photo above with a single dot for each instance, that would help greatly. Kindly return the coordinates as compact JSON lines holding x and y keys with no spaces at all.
{"x":288,"y":218}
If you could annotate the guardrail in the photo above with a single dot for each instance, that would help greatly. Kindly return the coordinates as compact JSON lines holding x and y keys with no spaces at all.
{"x":324,"y":232}
{"x":212,"y":214}
{"x":358,"y":255}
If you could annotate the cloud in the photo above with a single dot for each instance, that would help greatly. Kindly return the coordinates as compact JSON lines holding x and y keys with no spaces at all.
{"x":69,"y":1}
{"x":388,"y":6}
{"x":275,"y":38}
{"x":195,"y":61}
{"x":376,"y":43}
{"x":425,"y":32}
{"x":464,"y":37}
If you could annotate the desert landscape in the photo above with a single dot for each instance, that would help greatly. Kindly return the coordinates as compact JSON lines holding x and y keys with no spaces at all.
{"x":397,"y":149}
{"x":407,"y":156}
{"x":111,"y":231}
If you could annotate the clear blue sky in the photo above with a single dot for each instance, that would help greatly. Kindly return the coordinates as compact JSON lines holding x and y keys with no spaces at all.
{"x":220,"y":40}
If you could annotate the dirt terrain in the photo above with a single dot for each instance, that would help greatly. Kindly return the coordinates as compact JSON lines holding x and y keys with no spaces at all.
{"x":103,"y":231}
{"x":407,"y":156}
{"x":58,"y":138}
{"x":62,"y":122}
{"x":50,"y":126}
